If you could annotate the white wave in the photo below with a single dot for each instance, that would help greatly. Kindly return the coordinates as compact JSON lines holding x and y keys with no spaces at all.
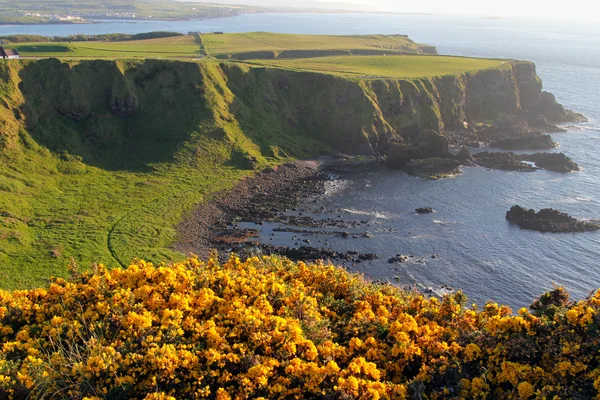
{"x":575,"y":199}
{"x":440,"y":222}
{"x":442,"y":292}
{"x":421,"y":237}
{"x":374,"y":214}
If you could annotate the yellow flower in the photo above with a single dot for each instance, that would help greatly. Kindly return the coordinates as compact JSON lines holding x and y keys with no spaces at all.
{"x":525,"y":390}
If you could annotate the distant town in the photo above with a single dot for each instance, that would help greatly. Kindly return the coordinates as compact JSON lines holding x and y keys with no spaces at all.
{"x":80,"y":16}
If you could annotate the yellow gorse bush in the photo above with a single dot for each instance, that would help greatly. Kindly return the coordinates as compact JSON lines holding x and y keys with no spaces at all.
{"x":271,"y":328}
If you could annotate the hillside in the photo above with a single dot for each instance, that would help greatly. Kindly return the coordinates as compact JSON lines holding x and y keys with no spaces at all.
{"x":99,"y":160}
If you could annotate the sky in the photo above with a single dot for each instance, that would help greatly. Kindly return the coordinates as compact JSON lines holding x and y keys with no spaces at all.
{"x":571,"y":9}
{"x":587,"y":10}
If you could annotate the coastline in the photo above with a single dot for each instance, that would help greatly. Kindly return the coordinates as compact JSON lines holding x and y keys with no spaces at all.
{"x":254,"y":199}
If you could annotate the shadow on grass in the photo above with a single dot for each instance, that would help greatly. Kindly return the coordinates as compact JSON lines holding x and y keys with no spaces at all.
{"x":112,"y":119}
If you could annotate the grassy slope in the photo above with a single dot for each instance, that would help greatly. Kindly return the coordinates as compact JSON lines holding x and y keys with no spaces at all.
{"x":57,"y":206}
{"x":404,"y":66}
{"x":232,"y":43}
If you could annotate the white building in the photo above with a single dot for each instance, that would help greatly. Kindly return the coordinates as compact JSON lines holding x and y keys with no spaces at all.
{"x":9,"y":54}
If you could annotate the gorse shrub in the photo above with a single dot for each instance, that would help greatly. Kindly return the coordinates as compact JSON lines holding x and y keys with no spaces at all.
{"x":272,"y":328}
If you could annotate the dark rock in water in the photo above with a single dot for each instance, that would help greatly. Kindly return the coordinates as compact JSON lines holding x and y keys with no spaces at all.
{"x":549,"y":220}
{"x":424,"y":210}
{"x":307,"y":253}
{"x":509,"y":161}
{"x":502,"y":160}
{"x":398,"y":258}
{"x":429,"y":144}
{"x":432,"y":168}
{"x":464,"y":156}
{"x":557,"y":162}
{"x":530,"y":141}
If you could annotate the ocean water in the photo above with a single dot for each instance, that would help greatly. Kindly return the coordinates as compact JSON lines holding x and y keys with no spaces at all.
{"x":476,"y":249}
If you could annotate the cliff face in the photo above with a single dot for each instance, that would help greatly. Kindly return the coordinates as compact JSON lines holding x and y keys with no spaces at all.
{"x":106,"y":111}
{"x":364,"y":116}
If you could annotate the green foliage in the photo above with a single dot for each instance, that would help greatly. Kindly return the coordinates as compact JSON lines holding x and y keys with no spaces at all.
{"x":24,"y":38}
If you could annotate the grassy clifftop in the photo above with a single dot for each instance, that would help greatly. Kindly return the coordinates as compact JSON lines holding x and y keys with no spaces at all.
{"x":99,"y":160}
{"x":241,"y":46}
{"x":265,"y":45}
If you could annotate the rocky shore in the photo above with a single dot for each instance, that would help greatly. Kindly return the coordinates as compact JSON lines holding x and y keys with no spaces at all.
{"x":429,"y":156}
{"x":549,"y":220}
{"x":257,"y":199}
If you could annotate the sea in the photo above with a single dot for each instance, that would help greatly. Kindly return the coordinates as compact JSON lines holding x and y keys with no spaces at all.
{"x":473,"y":247}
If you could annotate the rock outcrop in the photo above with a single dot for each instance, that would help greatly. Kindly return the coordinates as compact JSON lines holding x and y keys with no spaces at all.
{"x":503,"y":161}
{"x":549,"y":220}
{"x":528,"y":141}
{"x":557,"y":162}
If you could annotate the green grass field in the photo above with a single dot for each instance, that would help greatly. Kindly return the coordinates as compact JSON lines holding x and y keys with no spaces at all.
{"x":236,"y":43}
{"x":171,"y":47}
{"x":402,"y":66}
{"x":54,"y":209}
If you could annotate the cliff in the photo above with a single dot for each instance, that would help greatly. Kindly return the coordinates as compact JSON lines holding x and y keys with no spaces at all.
{"x":363,"y":116}
{"x":94,"y":155}
{"x":124,"y":109}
